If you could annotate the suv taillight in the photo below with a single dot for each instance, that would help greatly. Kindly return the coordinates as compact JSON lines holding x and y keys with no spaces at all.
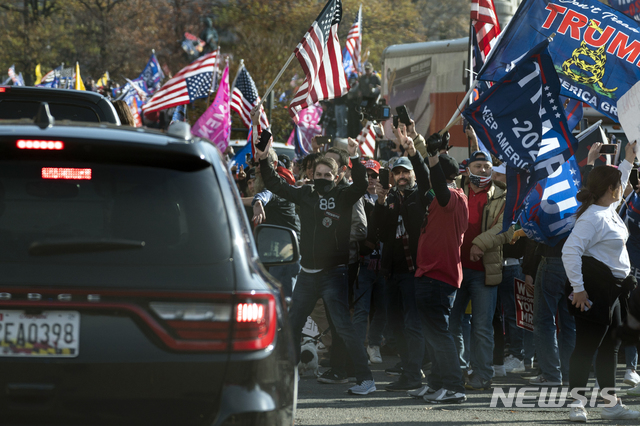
{"x":255,"y":321}
{"x":206,"y":326}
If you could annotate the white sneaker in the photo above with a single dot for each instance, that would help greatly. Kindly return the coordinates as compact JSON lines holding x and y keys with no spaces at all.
{"x":365,"y":387}
{"x":499,"y":371}
{"x":631,"y":377}
{"x":542,"y":381}
{"x":419,"y":393}
{"x":444,"y":396}
{"x":513,"y":364}
{"x":374,"y":354}
{"x":577,"y":413}
{"x":619,"y":412}
{"x":634,"y":391}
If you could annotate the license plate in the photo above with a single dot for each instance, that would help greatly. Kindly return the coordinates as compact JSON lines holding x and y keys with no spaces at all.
{"x":50,"y":334}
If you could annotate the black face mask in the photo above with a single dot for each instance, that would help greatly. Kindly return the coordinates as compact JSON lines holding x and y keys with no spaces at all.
{"x":324,"y":186}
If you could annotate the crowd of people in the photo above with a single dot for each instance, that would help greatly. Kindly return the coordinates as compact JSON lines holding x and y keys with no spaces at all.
{"x":407,"y":258}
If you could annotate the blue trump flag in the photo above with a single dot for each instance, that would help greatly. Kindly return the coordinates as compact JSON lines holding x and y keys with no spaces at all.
{"x":520,"y":118}
{"x":152,"y":75}
{"x":596,"y":49}
{"x":549,"y":210}
{"x":572,"y":110}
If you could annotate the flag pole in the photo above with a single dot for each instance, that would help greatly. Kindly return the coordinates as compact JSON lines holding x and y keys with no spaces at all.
{"x":276,"y":80}
{"x":214,"y":75}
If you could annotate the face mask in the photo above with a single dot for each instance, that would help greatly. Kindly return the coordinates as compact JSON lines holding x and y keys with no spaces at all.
{"x":323,"y":186}
{"x":479,"y":181}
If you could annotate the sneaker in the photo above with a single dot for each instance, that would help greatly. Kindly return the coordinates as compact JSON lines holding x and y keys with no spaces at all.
{"x":396,"y":370}
{"x":476,"y":383}
{"x":634,"y":391}
{"x":619,"y":412}
{"x":514,"y":365}
{"x":541,"y":381}
{"x":631,"y":377}
{"x":365,"y":387}
{"x":374,"y":354}
{"x":577,"y":413}
{"x":499,"y":371}
{"x":332,"y":377}
{"x":419,"y":393}
{"x":403,"y":385}
{"x":444,"y":396}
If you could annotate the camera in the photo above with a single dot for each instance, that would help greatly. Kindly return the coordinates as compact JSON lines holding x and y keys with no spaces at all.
{"x":374,"y":110}
{"x":437,"y":142}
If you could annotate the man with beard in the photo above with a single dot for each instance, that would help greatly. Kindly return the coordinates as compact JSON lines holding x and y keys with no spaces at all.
{"x":325,"y":219}
{"x":272,"y":209}
{"x":398,"y":216}
{"x":481,"y":256}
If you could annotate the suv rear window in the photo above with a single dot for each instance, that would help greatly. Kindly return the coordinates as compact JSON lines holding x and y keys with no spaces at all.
{"x":17,"y":109}
{"x":89,"y":231}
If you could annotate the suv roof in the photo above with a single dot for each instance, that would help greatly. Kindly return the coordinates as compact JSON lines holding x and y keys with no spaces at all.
{"x":24,"y":101}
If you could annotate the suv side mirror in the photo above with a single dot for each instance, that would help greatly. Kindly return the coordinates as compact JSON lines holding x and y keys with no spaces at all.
{"x":276,"y":245}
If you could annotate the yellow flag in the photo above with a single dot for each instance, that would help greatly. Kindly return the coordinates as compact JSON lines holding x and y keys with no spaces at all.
{"x":38,"y":75}
{"x":79,"y":85}
{"x":103,"y":80}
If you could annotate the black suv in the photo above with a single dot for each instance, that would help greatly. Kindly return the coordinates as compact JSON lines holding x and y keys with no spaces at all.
{"x":65,"y":104}
{"x":131,"y":291}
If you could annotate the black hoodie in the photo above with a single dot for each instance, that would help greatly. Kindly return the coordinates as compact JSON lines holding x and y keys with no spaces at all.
{"x":325,"y":221}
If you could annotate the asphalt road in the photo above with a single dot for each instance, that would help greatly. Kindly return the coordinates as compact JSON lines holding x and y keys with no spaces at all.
{"x":323,"y":404}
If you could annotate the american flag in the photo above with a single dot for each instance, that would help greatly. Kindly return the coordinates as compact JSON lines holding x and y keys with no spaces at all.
{"x":367,"y":140}
{"x":320,"y":56}
{"x":486,"y":29}
{"x":354,"y":40}
{"x":244,"y":97}
{"x":192,"y":82}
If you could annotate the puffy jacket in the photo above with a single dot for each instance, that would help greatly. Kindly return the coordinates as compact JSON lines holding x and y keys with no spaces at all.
{"x":490,"y":241}
{"x":325,"y":222}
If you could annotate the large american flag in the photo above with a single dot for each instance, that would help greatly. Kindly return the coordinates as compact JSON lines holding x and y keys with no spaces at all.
{"x":192,"y":82}
{"x":354,"y":40}
{"x":320,"y":56}
{"x":367,"y":140}
{"x":244,"y":97}
{"x":486,"y":29}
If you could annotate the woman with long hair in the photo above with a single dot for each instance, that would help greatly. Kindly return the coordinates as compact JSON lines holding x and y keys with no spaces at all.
{"x":597,"y":265}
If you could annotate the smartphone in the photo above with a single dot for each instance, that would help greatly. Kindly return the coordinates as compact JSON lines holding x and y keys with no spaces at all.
{"x":588,"y":300}
{"x":264,"y":140}
{"x":395,"y":121}
{"x":247,"y":159}
{"x":608,"y":149}
{"x":384,"y":178}
{"x":323,"y":140}
{"x":633,"y":177}
{"x":403,"y":115}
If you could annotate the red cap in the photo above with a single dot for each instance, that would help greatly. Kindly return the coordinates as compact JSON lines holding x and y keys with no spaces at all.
{"x":373,"y":165}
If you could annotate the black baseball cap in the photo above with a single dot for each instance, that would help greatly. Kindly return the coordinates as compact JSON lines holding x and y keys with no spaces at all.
{"x":449,"y":166}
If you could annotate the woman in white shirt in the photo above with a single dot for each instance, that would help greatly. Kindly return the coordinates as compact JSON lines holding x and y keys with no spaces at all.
{"x":597,"y":265}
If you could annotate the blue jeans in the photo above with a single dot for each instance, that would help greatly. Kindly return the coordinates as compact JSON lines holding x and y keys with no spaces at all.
{"x":287,"y":275}
{"x":506,"y":291}
{"x":331,"y":286}
{"x":631,"y":356}
{"x":553,"y":352}
{"x":483,"y":306}
{"x":370,"y":289}
{"x":435,"y":300}
{"x":404,"y":320}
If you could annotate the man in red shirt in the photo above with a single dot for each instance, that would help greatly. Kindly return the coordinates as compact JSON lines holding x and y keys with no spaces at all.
{"x":439,"y":270}
{"x":481,"y":256}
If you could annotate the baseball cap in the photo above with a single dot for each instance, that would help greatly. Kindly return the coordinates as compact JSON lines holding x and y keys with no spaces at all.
{"x":402,"y":162}
{"x":479,"y":156}
{"x":368,"y":66}
{"x":449,"y":166}
{"x":372,"y":165}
